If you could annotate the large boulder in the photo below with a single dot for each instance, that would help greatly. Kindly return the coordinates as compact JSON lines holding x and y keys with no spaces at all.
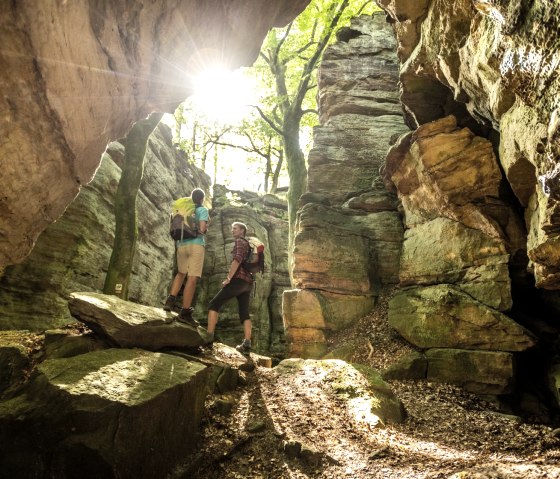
{"x":445,"y":317}
{"x":111,"y":413}
{"x":481,"y":372}
{"x":445,"y":251}
{"x":130,"y":325}
{"x":441,"y":170}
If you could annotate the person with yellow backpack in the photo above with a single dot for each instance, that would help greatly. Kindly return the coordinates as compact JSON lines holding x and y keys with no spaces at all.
{"x":188,"y":225}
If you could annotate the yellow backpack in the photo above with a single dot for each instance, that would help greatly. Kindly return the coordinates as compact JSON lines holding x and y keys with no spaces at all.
{"x":182,"y":224}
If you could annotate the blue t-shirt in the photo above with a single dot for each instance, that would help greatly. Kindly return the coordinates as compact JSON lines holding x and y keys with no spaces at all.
{"x":201,"y":215}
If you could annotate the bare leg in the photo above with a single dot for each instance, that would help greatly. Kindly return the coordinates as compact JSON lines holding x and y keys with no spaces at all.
{"x":188,"y":292}
{"x":177,"y":283}
{"x":247,"y":329}
{"x":212,"y":321}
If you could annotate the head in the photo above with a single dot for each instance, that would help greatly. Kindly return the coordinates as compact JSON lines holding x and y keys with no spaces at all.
{"x":197,"y":196}
{"x":238,"y":229}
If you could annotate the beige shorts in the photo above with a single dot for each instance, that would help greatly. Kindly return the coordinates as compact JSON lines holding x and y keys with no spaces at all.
{"x":190,"y":259}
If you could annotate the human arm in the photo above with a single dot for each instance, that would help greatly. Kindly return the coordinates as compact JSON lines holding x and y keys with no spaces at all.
{"x":203,"y":218}
{"x":232,"y":270}
{"x":238,"y":255}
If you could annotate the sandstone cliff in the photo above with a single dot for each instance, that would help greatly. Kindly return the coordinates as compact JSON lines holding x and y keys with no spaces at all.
{"x":348,"y":233}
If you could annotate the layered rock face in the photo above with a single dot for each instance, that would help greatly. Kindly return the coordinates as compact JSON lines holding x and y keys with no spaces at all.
{"x":496,"y":63}
{"x":477,"y":180}
{"x":76,"y":76}
{"x":73,"y":253}
{"x":348,"y":233}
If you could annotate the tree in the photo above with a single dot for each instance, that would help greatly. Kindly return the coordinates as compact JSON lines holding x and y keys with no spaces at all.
{"x":202,"y":135}
{"x":289,"y":59}
{"x":255,"y":137}
{"x":126,"y":223}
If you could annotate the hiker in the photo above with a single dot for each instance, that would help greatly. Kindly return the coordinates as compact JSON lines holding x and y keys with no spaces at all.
{"x":190,"y":259}
{"x":238,"y":284}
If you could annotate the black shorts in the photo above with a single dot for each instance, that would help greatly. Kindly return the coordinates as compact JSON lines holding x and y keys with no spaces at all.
{"x":236,"y":288}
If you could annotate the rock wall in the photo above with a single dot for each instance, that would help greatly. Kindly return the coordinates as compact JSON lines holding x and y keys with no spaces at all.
{"x":348,"y":233}
{"x":73,"y":253}
{"x":495,"y":63}
{"x":478,"y":182}
{"x":76,"y":75}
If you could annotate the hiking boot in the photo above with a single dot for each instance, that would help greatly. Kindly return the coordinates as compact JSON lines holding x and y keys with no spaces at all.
{"x":244,"y":348}
{"x":169,"y":303}
{"x":185,"y":316}
{"x":209,"y":340}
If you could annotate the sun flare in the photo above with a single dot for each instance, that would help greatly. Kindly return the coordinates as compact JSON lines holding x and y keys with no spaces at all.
{"x":223,"y":96}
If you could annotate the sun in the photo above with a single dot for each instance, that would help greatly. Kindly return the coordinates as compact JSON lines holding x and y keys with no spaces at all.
{"x":223,"y":96}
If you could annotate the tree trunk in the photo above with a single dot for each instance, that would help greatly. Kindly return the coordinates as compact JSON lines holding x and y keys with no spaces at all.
{"x":126,"y":230}
{"x":297,"y":172}
{"x":276,"y":174}
{"x":268,"y":169}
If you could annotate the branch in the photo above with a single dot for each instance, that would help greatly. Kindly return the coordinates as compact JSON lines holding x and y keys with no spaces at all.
{"x":268,"y":120}
{"x":364,"y":6}
{"x":283,"y":39}
{"x":264,"y":57}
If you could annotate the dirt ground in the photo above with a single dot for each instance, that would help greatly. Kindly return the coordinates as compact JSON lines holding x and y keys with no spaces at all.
{"x":278,"y":426}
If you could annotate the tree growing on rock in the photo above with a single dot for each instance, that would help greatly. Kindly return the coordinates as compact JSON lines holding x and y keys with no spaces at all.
{"x":126,"y":221}
{"x":287,"y":64}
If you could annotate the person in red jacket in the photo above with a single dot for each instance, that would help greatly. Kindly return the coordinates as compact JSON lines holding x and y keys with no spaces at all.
{"x":238,"y":284}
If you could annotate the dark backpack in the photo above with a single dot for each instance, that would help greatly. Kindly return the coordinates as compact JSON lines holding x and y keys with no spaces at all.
{"x":182,"y":224}
{"x":254,"y":261}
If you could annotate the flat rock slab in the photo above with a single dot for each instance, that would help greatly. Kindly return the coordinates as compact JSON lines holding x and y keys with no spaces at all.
{"x":133,"y":325}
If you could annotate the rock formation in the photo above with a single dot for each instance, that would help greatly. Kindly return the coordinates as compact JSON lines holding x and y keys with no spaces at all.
{"x":121,"y":411}
{"x":348,"y":233}
{"x":76,"y":76}
{"x":477,"y":181}
{"x":116,"y":410}
{"x":494,"y":63}
{"x":477,"y":219}
{"x":73,"y":253}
